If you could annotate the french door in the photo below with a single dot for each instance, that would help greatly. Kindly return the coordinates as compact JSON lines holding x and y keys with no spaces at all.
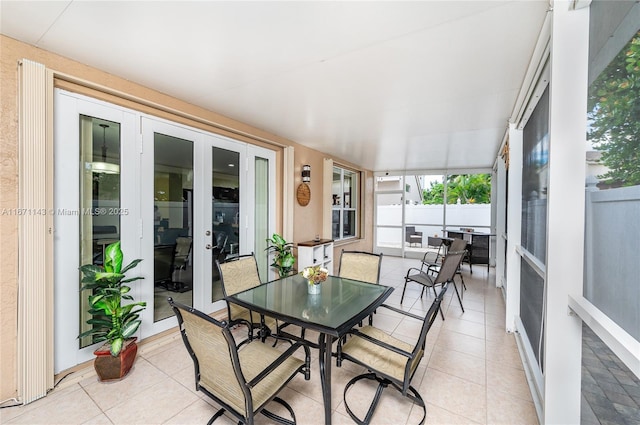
{"x":176,"y":197}
{"x":95,"y":204}
{"x":213,"y":192}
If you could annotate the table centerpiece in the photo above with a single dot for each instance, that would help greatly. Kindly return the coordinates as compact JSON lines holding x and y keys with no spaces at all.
{"x":315,"y":275}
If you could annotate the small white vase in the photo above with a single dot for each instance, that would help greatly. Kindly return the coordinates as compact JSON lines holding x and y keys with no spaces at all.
{"x":313,"y":289}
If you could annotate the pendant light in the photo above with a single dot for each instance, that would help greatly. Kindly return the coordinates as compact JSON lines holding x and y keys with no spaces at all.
{"x":104,"y":167}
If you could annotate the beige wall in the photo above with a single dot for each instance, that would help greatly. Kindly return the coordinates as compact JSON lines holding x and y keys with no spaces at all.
{"x":307,"y":220}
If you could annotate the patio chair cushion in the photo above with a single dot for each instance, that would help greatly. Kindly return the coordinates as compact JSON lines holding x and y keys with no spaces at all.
{"x":254,"y":358}
{"x":379,"y":358}
{"x":361,"y":266}
{"x":240,"y":274}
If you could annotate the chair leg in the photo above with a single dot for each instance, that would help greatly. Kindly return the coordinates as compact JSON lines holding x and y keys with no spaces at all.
{"x":216,"y":416}
{"x":464,"y":287}
{"x":277,"y":418}
{"x":440,"y":307}
{"x":420,"y":402}
{"x":383,"y":383}
{"x":457,"y":294}
{"x":403,"y":289}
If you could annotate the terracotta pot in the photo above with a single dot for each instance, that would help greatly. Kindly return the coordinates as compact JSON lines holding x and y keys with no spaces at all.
{"x":111,"y":368}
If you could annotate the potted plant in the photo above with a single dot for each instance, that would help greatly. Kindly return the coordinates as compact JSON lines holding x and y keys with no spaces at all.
{"x":283,"y":259}
{"x":112,"y":322}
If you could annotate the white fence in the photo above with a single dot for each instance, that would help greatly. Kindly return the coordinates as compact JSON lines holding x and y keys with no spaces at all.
{"x":612,"y":254}
{"x":428,"y":219}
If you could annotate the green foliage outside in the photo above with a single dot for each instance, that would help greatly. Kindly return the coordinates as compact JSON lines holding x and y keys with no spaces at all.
{"x":614,"y":111}
{"x":468,"y":188}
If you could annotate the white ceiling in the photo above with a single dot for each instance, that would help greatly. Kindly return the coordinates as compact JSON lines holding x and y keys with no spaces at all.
{"x":386,"y":85}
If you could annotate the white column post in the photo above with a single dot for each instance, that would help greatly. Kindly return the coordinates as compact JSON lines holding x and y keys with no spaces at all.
{"x":565,"y":214}
{"x":514,"y":224}
{"x":498,"y":203}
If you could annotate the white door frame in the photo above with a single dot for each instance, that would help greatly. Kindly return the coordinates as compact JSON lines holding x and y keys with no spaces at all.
{"x":137,"y":232}
{"x":67,"y":109}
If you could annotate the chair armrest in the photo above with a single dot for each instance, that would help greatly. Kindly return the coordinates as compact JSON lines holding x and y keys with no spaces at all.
{"x":381,"y":343}
{"x":277,"y":362}
{"x":419,"y":276}
{"x":241,"y":322}
{"x":430,"y":264}
{"x":414,"y":269}
{"x":405,"y":313}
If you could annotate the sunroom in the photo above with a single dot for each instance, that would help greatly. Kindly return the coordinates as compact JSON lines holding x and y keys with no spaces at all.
{"x":119,"y":128}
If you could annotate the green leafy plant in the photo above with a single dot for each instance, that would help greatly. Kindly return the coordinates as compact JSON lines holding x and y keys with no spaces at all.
{"x":111,"y":321}
{"x":283,"y":259}
{"x":614,"y":108}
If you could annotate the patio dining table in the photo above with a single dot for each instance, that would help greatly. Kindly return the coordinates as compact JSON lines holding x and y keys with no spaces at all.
{"x":340,"y":305}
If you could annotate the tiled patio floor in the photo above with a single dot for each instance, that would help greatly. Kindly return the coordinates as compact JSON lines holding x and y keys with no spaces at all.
{"x":471,"y":373}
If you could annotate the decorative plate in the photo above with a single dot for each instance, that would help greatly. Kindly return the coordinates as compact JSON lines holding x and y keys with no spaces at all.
{"x":303,"y":194}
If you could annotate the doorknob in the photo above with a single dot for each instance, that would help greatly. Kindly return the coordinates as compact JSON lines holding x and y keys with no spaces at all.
{"x":207,"y":233}
{"x":208,"y":246}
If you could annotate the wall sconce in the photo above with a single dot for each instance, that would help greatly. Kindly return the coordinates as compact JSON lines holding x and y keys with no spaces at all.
{"x":306,"y":173}
{"x":303,"y":194}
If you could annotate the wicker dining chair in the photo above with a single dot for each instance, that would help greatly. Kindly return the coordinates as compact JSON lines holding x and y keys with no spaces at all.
{"x":360,"y":265}
{"x":238,"y":274}
{"x":389,"y":361}
{"x":241,"y":379}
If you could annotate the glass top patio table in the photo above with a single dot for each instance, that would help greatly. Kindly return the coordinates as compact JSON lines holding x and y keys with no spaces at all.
{"x":340,"y":304}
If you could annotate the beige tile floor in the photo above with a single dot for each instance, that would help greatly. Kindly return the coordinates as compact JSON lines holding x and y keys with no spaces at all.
{"x":471,"y":373}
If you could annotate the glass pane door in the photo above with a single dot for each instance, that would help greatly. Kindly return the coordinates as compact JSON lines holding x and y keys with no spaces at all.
{"x":172,"y":223}
{"x":99,"y":198}
{"x":167,"y":177}
{"x":261,"y":183}
{"x":225,"y":212}
{"x":389,"y":197}
{"x":261,"y":195}
{"x":93,"y":157}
